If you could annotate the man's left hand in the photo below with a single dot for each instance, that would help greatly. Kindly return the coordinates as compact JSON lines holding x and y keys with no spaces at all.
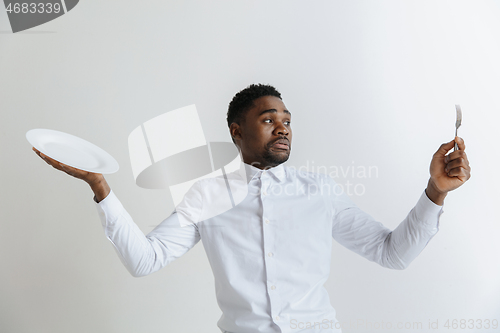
{"x":448,"y":172}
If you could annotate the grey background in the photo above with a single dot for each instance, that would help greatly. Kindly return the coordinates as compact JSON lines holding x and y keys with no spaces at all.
{"x":369,"y":83}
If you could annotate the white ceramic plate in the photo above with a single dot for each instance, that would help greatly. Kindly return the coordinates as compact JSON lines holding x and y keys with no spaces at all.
{"x":72,"y":150}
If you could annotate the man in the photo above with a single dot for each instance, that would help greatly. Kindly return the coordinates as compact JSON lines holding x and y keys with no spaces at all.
{"x":270,"y":254}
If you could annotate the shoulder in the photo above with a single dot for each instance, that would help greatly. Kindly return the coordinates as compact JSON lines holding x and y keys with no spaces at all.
{"x":216,"y":187}
{"x":201,"y":186}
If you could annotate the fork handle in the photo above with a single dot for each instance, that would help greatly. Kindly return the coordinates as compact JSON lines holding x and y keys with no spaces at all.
{"x":456,"y":146}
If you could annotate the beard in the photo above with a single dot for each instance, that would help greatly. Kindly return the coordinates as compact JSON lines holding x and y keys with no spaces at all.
{"x":274,"y":158}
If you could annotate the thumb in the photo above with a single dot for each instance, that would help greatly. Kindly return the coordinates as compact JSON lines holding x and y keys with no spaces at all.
{"x":460,"y":143}
{"x":444,"y":148}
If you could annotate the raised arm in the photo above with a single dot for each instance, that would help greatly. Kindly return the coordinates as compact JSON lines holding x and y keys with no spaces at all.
{"x":396,"y":249}
{"x":141,"y":255}
{"x":361,"y":233}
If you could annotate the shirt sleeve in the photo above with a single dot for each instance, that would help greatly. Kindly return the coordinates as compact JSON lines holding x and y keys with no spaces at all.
{"x":144,"y":254}
{"x":361,"y":233}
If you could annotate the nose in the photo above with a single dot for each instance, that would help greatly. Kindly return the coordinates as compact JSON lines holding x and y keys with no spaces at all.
{"x":281,"y":130}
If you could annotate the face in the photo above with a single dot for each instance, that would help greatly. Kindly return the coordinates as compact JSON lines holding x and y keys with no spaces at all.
{"x":265,"y":135}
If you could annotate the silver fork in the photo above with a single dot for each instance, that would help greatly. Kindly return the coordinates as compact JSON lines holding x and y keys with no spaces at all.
{"x":457,"y":123}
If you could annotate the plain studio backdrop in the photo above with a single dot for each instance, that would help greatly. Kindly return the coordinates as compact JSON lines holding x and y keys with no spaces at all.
{"x":369,"y":83}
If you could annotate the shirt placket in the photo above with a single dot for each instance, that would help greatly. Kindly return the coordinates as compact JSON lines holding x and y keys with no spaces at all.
{"x":270,"y":257}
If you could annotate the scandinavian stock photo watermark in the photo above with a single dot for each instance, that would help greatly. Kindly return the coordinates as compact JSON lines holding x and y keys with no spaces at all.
{"x":350,"y":179}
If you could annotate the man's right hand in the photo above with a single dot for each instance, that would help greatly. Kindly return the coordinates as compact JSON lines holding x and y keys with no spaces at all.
{"x":96,"y":180}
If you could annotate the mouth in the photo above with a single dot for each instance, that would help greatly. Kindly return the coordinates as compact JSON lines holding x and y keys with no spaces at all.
{"x":281,"y":144}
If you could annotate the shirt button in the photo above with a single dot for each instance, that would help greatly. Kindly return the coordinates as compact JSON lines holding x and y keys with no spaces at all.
{"x":277,"y":317}
{"x":264,"y":193}
{"x":267,"y":221}
{"x":273,"y":287}
{"x":270,"y":254}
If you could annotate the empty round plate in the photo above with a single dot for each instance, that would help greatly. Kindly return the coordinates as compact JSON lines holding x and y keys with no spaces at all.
{"x":72,"y":150}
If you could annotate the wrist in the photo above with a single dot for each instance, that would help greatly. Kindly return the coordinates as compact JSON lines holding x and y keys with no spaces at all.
{"x":100,"y":187}
{"x":94,"y":180}
{"x":434,"y":194}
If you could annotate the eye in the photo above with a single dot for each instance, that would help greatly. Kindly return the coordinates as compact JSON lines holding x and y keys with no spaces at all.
{"x":270,"y":120}
{"x":287,"y":122}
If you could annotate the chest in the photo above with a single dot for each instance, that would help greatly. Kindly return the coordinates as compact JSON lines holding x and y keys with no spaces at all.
{"x":271,"y":216}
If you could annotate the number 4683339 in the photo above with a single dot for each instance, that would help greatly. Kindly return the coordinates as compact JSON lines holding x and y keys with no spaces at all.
{"x":33,"y":8}
{"x":471,"y":324}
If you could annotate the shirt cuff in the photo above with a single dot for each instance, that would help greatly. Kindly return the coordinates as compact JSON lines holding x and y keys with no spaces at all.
{"x":109,"y":208}
{"x":427,"y":211}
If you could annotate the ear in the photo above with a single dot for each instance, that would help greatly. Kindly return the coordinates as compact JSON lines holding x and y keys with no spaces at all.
{"x":235,"y":131}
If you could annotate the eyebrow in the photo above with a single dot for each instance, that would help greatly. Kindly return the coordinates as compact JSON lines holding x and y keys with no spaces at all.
{"x":273,"y":111}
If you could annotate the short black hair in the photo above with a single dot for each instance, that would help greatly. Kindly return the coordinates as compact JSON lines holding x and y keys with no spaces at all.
{"x":243,"y":101}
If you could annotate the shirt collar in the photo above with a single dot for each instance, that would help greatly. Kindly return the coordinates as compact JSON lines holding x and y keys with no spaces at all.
{"x":250,"y":172}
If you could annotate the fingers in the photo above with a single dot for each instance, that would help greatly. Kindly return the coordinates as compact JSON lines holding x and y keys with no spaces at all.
{"x":460,"y":172}
{"x":50,"y":161}
{"x":37,"y":151}
{"x":445,"y":147}
{"x":77,"y":173}
{"x":45,"y":157}
{"x":459,"y":154}
{"x":457,"y":165}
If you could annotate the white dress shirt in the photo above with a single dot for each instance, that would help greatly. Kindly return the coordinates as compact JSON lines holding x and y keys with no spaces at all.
{"x":270,"y":254}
